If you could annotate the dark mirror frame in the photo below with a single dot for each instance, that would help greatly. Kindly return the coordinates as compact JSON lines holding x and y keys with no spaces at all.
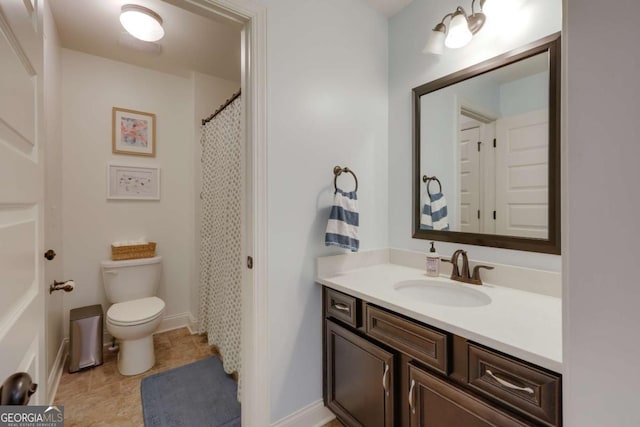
{"x":550,"y":44}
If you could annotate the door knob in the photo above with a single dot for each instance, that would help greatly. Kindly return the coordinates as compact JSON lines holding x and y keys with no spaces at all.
{"x":50,"y":254}
{"x":17,"y":389}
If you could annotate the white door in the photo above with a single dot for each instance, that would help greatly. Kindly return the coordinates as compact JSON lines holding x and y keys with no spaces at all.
{"x":22,"y":308}
{"x":522,"y":163}
{"x":469,"y":180}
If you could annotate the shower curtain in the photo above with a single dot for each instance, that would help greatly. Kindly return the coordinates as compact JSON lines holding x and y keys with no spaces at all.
{"x":220,"y":253}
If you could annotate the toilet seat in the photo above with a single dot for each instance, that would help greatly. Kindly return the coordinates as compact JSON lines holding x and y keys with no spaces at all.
{"x":135,"y":312}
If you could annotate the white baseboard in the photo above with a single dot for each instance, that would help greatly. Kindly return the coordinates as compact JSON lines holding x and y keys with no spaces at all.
{"x":56,"y":371}
{"x":313,"y":415}
{"x":174,"y":321}
{"x":193,"y":325}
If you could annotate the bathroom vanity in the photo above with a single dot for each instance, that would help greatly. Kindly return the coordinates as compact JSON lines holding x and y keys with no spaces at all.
{"x":402,"y":349}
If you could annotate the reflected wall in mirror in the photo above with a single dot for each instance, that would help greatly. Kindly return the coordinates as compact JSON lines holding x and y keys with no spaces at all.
{"x":486,"y":143}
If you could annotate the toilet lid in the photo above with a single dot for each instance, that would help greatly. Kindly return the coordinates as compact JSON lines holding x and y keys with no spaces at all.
{"x":136,"y":311}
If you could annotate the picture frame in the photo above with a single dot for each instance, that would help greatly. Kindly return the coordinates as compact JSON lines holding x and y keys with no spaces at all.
{"x":128,"y":182}
{"x":134,"y":132}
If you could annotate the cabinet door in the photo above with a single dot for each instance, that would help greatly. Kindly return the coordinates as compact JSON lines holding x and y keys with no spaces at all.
{"x":434,"y":402}
{"x":359,"y":378}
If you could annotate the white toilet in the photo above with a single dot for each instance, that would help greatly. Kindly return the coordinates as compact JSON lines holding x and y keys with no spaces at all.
{"x":136,"y":312}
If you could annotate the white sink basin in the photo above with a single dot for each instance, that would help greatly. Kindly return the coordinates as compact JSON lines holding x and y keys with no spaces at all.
{"x":442,"y":293}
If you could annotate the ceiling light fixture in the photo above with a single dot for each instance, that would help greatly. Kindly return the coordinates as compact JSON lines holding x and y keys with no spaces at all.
{"x":142,"y":23}
{"x":461,"y":29}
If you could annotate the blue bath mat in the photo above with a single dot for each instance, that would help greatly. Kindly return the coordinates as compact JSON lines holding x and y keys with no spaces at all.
{"x":199,"y":394}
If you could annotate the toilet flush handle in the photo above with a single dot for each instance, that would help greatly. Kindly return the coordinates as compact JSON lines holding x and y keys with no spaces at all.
{"x":111,"y":272}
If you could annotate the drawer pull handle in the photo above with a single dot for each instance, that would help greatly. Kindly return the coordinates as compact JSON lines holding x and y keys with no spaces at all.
{"x":411,"y":401}
{"x":341,"y":307}
{"x":385,"y":379}
{"x":508,"y":384}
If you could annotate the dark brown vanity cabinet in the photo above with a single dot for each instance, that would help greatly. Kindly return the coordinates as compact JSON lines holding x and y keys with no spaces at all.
{"x":359,"y":379}
{"x":383,"y":369}
{"x":434,"y":402}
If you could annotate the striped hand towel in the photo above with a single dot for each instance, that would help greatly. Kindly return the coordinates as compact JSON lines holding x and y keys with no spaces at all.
{"x":434,"y":213}
{"x":342,"y":228}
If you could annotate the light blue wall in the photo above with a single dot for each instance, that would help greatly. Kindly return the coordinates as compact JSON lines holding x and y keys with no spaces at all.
{"x":327,"y":80}
{"x":524,"y":95}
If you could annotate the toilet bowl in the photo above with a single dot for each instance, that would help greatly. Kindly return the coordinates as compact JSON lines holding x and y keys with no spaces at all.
{"x":136,"y":312}
{"x":133,"y":323}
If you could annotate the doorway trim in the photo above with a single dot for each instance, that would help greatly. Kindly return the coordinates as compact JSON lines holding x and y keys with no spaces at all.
{"x":255,"y":331}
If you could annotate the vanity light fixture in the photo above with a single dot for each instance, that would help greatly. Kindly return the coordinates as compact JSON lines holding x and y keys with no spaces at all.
{"x":461,"y":29}
{"x":142,"y":23}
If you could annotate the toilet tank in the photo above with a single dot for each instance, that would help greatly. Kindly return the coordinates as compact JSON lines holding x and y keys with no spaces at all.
{"x":131,"y":279}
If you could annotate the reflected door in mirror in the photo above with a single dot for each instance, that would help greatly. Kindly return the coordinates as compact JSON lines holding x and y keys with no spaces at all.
{"x":522,"y":168}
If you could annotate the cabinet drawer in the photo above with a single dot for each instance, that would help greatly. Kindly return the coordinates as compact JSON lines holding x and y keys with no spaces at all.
{"x":420,"y":342}
{"x":342,"y":307}
{"x":524,"y":388}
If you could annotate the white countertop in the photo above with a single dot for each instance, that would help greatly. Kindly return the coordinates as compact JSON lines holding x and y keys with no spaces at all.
{"x":523,"y":324}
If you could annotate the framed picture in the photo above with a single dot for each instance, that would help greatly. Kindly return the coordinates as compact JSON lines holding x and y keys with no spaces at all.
{"x":133,"y":182}
{"x":134,"y":132}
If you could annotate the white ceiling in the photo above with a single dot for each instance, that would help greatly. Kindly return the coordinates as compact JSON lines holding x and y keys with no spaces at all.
{"x":191,"y":42}
{"x":389,"y":7}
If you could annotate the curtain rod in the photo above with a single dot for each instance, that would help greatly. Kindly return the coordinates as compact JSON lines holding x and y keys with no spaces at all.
{"x":222,"y":107}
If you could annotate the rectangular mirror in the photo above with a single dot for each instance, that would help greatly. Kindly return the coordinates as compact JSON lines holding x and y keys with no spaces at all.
{"x":487,"y":152}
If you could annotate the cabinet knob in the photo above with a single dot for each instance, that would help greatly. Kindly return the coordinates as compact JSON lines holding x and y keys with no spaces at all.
{"x":50,"y":254}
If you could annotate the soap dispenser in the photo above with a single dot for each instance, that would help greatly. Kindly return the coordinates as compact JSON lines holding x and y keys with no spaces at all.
{"x":433,"y":262}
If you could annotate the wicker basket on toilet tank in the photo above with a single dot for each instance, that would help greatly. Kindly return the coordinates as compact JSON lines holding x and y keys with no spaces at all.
{"x":120,"y":253}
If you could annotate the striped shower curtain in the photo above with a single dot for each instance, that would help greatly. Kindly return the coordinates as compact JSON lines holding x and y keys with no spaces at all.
{"x":220,"y":250}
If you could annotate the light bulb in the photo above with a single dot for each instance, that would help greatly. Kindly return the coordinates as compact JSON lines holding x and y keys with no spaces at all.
{"x":435,"y":42}
{"x":459,"y":34}
{"x":141,"y":23}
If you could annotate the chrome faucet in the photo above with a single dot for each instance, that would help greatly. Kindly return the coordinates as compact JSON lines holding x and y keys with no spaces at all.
{"x":464,"y":275}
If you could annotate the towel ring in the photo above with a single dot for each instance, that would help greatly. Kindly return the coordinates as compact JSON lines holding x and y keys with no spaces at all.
{"x":337,"y":171}
{"x":427,"y":179}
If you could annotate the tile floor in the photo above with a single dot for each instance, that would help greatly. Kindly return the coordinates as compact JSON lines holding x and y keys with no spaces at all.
{"x":334,"y":423}
{"x":100,"y":396}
